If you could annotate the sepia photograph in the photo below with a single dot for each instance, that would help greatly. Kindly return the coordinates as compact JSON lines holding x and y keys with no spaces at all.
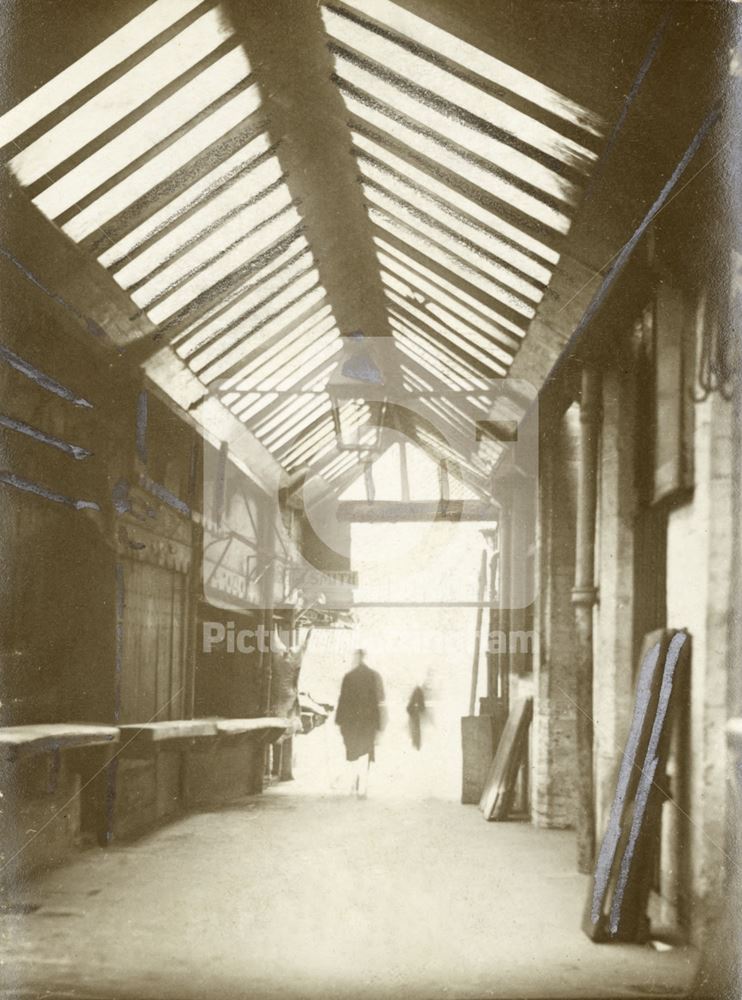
{"x":370,"y":499}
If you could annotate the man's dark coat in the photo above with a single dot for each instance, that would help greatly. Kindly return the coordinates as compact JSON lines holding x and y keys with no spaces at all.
{"x":358,"y":712}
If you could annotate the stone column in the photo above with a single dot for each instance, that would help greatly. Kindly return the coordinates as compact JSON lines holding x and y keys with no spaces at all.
{"x":613,"y":668}
{"x":554,"y":762}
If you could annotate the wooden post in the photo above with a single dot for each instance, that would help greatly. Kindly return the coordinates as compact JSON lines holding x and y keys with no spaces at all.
{"x":194,"y":582}
{"x":518,"y":568}
{"x":501,"y":688}
{"x":584,"y":597}
{"x":478,"y":636}
{"x":267,"y":552}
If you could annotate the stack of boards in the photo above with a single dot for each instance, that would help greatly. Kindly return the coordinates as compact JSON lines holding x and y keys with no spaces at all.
{"x":616,"y":908}
{"x":512,"y":752}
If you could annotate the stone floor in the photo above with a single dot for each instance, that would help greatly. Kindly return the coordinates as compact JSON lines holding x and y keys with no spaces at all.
{"x":300,"y":895}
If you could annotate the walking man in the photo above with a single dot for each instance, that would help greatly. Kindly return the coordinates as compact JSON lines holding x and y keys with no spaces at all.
{"x":359,"y":715}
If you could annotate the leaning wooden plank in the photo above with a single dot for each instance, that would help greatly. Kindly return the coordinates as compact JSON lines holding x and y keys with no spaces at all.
{"x":654,"y":650}
{"x":499,"y":788}
{"x":623,"y":868}
{"x":627,"y":918}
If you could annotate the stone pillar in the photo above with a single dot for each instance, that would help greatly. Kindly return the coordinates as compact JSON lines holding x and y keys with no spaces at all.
{"x":554,"y":774}
{"x":584,"y":597}
{"x":719,"y":972}
{"x":708,"y":582}
{"x":613,"y":666}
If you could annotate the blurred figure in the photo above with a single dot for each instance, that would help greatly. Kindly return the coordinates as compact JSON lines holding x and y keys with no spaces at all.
{"x":416,"y":710}
{"x":360,"y":717}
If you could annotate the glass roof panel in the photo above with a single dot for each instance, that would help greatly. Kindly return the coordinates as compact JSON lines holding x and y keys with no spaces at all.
{"x":109,"y":53}
{"x":197,"y":191}
{"x":310,"y":359}
{"x":269,"y":310}
{"x":477,"y":258}
{"x":233,"y":307}
{"x":230,"y":260}
{"x":326,"y":446}
{"x":458,"y":131}
{"x":436,"y":296}
{"x":285,"y":319}
{"x":269,"y":362}
{"x":416,"y":379}
{"x":444,"y":291}
{"x":121,"y":97}
{"x":272,"y":387}
{"x":453,"y":323}
{"x":455,"y":371}
{"x":472,"y":231}
{"x":424,"y":32}
{"x":316,"y":384}
{"x":306,"y":363}
{"x":289,"y":413}
{"x":241,"y":409}
{"x":236,"y":230}
{"x":306,"y":409}
{"x":147,"y":132}
{"x":484,"y":357}
{"x":162,"y":165}
{"x":452,"y":196}
{"x":434,"y":78}
{"x":311,"y":362}
{"x":459,"y":432}
{"x":431,"y":184}
{"x":205,"y":218}
{"x":314,"y":420}
{"x":319,"y":443}
{"x":320,"y":314}
{"x":340,"y":463}
{"x":422,"y":354}
{"x":454,"y":263}
{"x":262,"y":303}
{"x":459,"y":164}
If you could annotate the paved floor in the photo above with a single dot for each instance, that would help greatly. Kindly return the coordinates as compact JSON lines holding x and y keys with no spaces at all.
{"x":302,"y":896}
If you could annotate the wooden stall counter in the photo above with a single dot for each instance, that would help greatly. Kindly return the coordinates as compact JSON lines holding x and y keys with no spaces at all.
{"x":47,"y":779}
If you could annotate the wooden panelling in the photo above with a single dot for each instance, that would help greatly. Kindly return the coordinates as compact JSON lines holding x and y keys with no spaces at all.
{"x":56,"y":613}
{"x":153,"y":643}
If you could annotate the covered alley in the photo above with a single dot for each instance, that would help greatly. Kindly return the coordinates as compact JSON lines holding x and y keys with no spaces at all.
{"x":370,"y":499}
